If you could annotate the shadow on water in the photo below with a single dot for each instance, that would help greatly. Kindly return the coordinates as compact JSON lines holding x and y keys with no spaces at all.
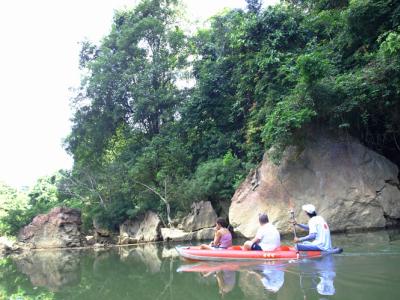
{"x":367,"y":269}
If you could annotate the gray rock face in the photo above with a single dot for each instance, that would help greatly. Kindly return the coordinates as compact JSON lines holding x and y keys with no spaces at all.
{"x":351,"y":186}
{"x":60,"y":228}
{"x":198,"y":225}
{"x":146,"y":229}
{"x":201,"y":216}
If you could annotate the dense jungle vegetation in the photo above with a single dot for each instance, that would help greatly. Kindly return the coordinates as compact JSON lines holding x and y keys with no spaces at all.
{"x":164,"y":118}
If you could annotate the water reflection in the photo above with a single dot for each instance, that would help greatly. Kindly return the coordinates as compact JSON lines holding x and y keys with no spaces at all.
{"x":366,"y":270}
{"x":53,"y":270}
{"x":273,"y":278}
{"x":319,"y":275}
{"x":147,"y":254}
{"x":255,"y":278}
{"x":258,"y":279}
{"x":226,"y":280}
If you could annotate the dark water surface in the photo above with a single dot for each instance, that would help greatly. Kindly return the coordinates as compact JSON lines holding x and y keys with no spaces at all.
{"x":369,"y":268}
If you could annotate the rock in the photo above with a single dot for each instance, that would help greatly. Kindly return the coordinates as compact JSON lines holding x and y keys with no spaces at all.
{"x":90,"y":240}
{"x":204,"y":234}
{"x":201,"y":216}
{"x":59,"y":228}
{"x":5,"y":246}
{"x":175,"y":235}
{"x":178,"y":235}
{"x":198,"y":225}
{"x":146,"y":229}
{"x":100,"y":231}
{"x":351,"y":186}
{"x":8,"y":246}
{"x":103,"y":235}
{"x":99,"y":245}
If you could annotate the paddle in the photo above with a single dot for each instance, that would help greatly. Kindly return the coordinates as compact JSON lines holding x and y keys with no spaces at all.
{"x":294,"y":221}
{"x":294,"y":227}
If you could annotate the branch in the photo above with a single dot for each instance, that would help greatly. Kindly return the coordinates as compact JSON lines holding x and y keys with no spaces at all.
{"x":161,"y":197}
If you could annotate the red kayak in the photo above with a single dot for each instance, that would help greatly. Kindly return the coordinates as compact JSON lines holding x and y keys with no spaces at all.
{"x":236,"y":253}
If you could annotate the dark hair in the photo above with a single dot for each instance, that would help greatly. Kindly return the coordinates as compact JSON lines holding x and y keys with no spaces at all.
{"x":311,"y":215}
{"x":263,"y":218}
{"x":222,"y":222}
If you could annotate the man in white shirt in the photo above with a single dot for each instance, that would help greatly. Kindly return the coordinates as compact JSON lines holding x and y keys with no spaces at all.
{"x":267,"y":237}
{"x":319,"y":237}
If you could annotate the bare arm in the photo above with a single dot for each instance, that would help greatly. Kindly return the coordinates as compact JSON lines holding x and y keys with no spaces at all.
{"x":217,"y":238}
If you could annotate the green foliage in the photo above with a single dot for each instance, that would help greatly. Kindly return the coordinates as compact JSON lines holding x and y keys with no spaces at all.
{"x":21,"y":207}
{"x":262,"y":79}
{"x":215,"y":180}
{"x":12,"y":206}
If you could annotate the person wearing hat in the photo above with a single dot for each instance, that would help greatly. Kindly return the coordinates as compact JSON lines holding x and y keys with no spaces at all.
{"x":319,"y":236}
{"x":267,"y":237}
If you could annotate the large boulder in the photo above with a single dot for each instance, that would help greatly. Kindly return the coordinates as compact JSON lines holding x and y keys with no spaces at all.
{"x":143,"y":229}
{"x":198,"y":225}
{"x":350,"y":185}
{"x":60,"y":228}
{"x":201,"y":216}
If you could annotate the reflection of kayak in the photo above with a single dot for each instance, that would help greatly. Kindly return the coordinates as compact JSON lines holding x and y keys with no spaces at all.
{"x":236,"y":253}
{"x":205,"y":267}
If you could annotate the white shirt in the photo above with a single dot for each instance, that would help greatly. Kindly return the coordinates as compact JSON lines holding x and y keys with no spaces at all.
{"x":318,"y":225}
{"x":269,"y":237}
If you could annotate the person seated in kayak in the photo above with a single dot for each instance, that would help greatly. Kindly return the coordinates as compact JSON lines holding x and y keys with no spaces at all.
{"x":222,"y":236}
{"x":267,"y":237}
{"x":319,"y":236}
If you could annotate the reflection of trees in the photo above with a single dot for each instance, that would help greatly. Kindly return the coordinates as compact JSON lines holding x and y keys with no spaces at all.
{"x":51,"y":269}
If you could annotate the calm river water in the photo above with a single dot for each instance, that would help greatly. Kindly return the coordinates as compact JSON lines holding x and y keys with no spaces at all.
{"x":369,"y":268}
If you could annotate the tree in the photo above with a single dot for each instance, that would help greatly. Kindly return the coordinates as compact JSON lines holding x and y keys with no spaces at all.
{"x":128,"y":99}
{"x":254,"y":6}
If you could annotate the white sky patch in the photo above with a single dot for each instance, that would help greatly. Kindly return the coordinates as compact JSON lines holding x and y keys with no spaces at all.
{"x":39,"y":56}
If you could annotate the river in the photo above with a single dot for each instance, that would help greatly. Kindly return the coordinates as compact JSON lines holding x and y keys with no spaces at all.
{"x":369,"y":268}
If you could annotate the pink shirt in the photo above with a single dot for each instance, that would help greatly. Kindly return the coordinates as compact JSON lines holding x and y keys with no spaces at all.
{"x":226,"y":240}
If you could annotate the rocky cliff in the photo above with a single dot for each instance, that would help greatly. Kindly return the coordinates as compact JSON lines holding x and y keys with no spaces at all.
{"x":350,"y":185}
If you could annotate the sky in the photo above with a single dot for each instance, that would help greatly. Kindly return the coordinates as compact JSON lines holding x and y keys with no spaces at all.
{"x":39,"y":55}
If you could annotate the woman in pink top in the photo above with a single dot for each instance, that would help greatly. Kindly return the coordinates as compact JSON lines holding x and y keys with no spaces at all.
{"x":222,"y":237}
